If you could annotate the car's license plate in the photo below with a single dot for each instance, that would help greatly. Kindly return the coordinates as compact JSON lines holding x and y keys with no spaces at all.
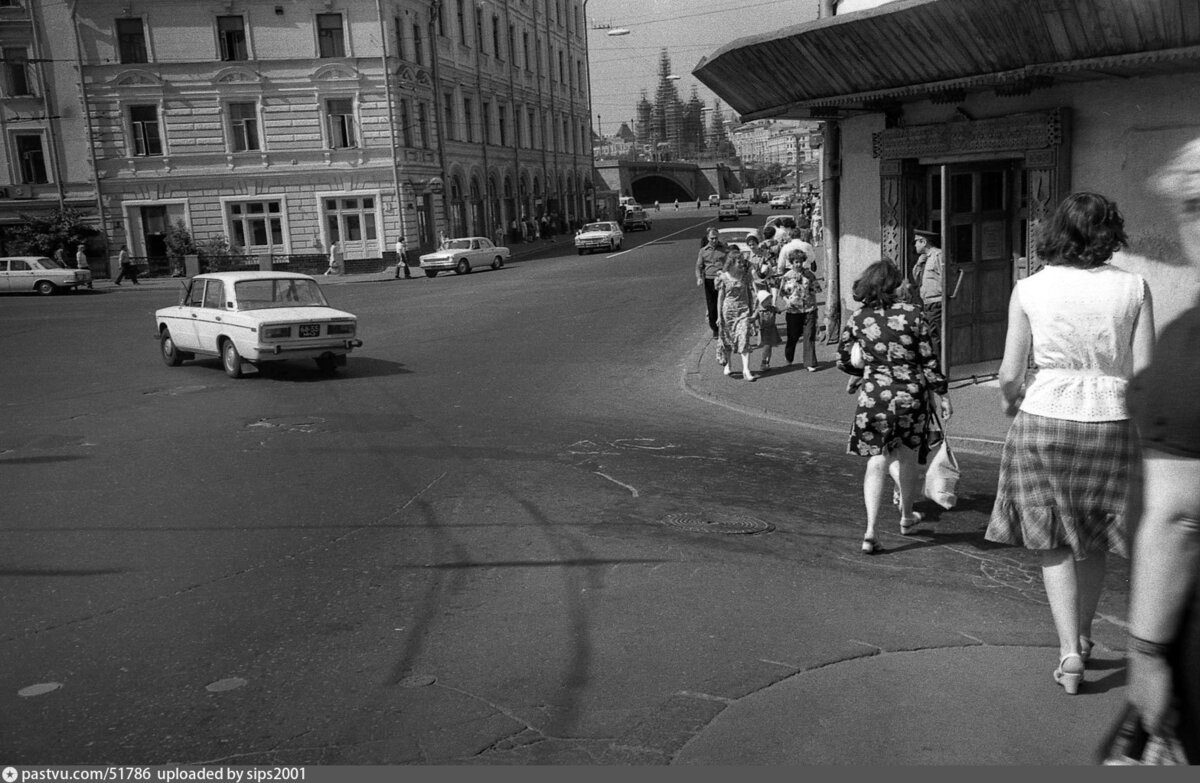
{"x":310,"y":330}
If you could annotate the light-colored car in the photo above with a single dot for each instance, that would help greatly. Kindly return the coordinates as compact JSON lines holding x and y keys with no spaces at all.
{"x":463,"y":254}
{"x":727,"y":209}
{"x":781,"y":202}
{"x":255,"y":317}
{"x":743,"y":205}
{"x":713,"y":199}
{"x":736,"y":237}
{"x":602,"y":235}
{"x":41,"y":274}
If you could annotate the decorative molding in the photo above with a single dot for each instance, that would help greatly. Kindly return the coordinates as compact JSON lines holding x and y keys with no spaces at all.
{"x":237,"y":75}
{"x":137,"y":77}
{"x":335,"y":72}
{"x":1015,"y":132}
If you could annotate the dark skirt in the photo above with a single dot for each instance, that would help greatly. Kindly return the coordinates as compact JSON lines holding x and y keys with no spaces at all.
{"x":1065,"y":483}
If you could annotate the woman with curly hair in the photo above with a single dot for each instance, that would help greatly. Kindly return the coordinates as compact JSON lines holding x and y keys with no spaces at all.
{"x":899,"y":370}
{"x":1070,"y":454}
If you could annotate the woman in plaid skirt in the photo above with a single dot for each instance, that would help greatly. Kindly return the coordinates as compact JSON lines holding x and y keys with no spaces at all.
{"x":1070,"y":453}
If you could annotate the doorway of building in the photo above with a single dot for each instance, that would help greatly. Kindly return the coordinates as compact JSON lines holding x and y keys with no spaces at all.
{"x":154,"y":231}
{"x":981,"y":216}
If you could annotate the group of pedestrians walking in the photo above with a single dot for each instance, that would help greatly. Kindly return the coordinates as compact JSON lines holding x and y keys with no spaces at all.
{"x":746,"y":290}
{"x":1100,"y":456}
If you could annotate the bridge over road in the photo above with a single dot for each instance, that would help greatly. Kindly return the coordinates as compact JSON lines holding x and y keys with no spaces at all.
{"x":650,"y":181}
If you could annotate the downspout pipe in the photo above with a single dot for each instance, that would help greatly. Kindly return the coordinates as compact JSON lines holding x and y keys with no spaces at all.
{"x":87,"y":113}
{"x":387,"y":86}
{"x":435,"y":56}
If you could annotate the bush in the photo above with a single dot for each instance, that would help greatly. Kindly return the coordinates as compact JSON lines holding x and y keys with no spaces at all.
{"x":179,"y":241}
{"x":40,"y":235}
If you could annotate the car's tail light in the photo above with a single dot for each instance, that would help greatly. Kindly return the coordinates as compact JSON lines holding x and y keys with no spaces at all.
{"x":276,"y":332}
{"x":341,"y":328}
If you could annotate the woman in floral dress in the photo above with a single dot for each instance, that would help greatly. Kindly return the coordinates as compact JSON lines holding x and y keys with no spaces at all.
{"x":891,"y":427}
{"x":738,"y":322}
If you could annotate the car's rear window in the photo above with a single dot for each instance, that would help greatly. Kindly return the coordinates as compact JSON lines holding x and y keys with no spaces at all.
{"x":598,"y":227}
{"x":266,"y":294}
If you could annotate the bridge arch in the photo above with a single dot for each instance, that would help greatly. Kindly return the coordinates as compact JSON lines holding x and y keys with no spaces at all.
{"x":661,"y":187}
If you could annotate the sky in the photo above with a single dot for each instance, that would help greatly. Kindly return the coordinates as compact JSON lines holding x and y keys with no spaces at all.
{"x":623,"y":66}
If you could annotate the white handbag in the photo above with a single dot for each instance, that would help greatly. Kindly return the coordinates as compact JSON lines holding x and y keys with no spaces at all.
{"x":942,"y":473}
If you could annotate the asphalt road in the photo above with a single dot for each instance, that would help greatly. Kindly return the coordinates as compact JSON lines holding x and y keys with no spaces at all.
{"x":469,"y":547}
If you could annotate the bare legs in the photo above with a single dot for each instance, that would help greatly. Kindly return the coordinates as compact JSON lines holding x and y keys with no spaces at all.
{"x":901,"y":464}
{"x":1073,"y":588}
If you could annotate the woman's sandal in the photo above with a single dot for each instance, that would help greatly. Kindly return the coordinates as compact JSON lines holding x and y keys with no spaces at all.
{"x":1069,"y":676}
{"x":870,"y":546}
{"x":907,"y":523}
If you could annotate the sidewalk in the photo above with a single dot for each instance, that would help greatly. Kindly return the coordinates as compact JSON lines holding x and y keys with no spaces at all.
{"x":971,"y":704}
{"x":819,"y":399}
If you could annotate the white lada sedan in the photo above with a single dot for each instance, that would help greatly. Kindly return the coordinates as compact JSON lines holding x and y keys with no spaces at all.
{"x":255,"y":317}
{"x":605,"y":235}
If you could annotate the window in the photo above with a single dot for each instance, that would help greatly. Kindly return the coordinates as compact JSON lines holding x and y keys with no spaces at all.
{"x":257,"y":226}
{"x":399,"y":25}
{"x":487,"y":123}
{"x":566,"y":136}
{"x":131,"y":41}
{"x":143,"y":124}
{"x":512,"y":38}
{"x":340,"y":114}
{"x":418,"y":47}
{"x":331,"y":41}
{"x":503,"y":118}
{"x":525,"y":49}
{"x":195,"y":297}
{"x":406,"y":123}
{"x":214,"y":294}
{"x":16,"y":72}
{"x":479,"y":28}
{"x":441,"y":19}
{"x":231,"y":33}
{"x":532,"y":126}
{"x":31,"y":158}
{"x":562,"y":70}
{"x":496,"y":37}
{"x":423,"y":123}
{"x":448,"y":104}
{"x":468,"y":119}
{"x":243,"y":127}
{"x":462,"y":24}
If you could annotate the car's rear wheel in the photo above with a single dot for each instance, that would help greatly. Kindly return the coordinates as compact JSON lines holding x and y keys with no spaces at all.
{"x":580,"y":251}
{"x":231,"y":360}
{"x":44,"y":287}
{"x":170,"y":354}
{"x":462,"y":267}
{"x":327,"y":365}
{"x":612,"y":245}
{"x":497,"y":262}
{"x":431,"y":273}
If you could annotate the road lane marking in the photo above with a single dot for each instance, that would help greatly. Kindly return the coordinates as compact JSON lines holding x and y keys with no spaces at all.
{"x":613,"y":480}
{"x":656,"y":239}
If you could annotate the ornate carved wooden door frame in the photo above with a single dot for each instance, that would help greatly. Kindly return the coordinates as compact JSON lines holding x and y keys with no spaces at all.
{"x":1039,"y":141}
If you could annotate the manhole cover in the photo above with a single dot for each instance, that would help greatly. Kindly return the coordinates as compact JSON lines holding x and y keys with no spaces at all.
{"x":725,"y":525}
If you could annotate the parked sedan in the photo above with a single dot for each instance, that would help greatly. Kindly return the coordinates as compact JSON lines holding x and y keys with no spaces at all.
{"x":604,"y":235}
{"x":255,"y":317}
{"x":781,"y":202}
{"x":41,"y":274}
{"x":463,"y":254}
{"x":727,"y":209}
{"x":736,"y":237}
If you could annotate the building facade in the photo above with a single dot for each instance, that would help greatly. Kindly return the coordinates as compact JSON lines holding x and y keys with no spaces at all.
{"x":284,"y":126}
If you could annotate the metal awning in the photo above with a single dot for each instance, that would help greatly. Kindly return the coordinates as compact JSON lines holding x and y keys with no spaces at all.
{"x":942,"y":49}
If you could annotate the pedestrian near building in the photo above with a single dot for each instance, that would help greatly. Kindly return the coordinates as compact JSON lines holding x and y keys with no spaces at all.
{"x":81,"y":261}
{"x":901,"y":384}
{"x":798,"y":290}
{"x":709,"y":263}
{"x":1070,"y":455}
{"x":402,"y":258}
{"x":738,"y":320}
{"x":335,"y":259}
{"x":128,"y":269}
{"x":60,"y":255}
{"x":928,"y":275}
{"x":676,"y":205}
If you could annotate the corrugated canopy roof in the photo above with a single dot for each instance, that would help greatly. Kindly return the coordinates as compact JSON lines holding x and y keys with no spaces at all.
{"x":941,"y":49}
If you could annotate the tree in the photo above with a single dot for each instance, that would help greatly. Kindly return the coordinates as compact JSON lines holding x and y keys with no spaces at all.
{"x":179,"y":241}
{"x":41,"y":235}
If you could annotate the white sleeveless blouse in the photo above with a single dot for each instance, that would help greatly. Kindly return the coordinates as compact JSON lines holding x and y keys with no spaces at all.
{"x":1082,"y":322}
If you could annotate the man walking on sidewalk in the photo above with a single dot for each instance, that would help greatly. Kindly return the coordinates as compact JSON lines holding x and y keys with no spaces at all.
{"x":709,"y":263}
{"x":127,"y":268}
{"x":402,"y":258}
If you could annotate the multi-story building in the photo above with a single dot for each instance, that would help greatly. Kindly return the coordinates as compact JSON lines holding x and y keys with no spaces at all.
{"x":286,"y":125}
